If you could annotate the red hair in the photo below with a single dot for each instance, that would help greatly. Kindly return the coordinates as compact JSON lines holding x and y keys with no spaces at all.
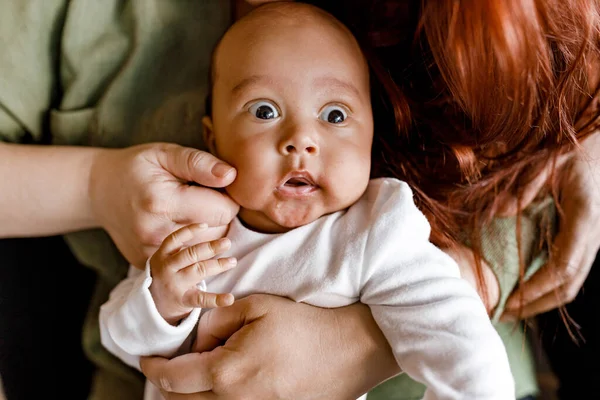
{"x":484,"y":93}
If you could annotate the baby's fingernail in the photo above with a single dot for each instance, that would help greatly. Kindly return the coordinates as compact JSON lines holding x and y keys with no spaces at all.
{"x":221,"y":244}
{"x":221,"y":170}
{"x":202,"y":226}
{"x":231,"y":261}
{"x":226,"y":300}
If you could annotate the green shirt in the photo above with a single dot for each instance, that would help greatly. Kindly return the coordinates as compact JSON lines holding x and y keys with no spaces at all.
{"x":114,"y":73}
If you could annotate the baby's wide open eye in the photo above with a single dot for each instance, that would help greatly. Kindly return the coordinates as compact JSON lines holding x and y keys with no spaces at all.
{"x":264,"y":110}
{"x":333,"y":114}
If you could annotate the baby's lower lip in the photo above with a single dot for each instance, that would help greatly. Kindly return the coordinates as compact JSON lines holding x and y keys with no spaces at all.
{"x":297,"y":191}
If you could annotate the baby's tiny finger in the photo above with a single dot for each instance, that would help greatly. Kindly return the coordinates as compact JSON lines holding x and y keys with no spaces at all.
{"x":199,"y":252}
{"x":176,"y":240}
{"x":203,"y":269}
{"x":199,"y":298}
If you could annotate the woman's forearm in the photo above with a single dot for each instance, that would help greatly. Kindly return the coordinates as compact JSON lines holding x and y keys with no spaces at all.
{"x":44,"y":189}
{"x":368,"y":357}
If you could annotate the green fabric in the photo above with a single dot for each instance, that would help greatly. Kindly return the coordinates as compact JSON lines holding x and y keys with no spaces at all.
{"x":108,"y":73}
{"x":114,"y":73}
{"x":521,"y":362}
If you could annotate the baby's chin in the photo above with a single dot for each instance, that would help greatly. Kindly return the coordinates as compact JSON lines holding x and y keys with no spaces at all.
{"x":294,"y":215}
{"x":278,"y":221}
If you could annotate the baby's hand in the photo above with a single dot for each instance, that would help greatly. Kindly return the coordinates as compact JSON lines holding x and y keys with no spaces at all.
{"x":179,"y":265}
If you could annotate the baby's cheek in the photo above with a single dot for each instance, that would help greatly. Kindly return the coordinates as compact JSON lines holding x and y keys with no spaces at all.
{"x":249,"y":189}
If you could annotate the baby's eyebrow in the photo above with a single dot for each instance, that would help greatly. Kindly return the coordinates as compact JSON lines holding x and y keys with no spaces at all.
{"x":332,"y":81}
{"x":250,"y":81}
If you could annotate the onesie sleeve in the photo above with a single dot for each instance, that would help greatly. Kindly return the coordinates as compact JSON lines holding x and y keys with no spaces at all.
{"x":434,"y":321}
{"x":131,"y":326}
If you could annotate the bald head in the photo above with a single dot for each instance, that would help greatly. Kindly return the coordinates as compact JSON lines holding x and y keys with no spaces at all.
{"x":271,"y":20}
{"x":287,"y":13}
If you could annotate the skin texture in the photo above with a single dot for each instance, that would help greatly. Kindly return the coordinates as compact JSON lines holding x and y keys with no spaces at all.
{"x":301,"y":150}
{"x":180,"y":263}
{"x":155,"y":197}
{"x":138,"y":195}
{"x":279,"y":349}
{"x":300,"y":87}
{"x":267,"y":337}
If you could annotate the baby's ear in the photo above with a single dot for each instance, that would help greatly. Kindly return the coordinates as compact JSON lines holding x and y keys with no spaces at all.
{"x":209,"y":134}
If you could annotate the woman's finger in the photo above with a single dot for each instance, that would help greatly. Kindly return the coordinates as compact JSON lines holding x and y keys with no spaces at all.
{"x":217,"y":325}
{"x":188,"y":373}
{"x":194,"y":165}
{"x":567,"y":270}
{"x":200,"y":204}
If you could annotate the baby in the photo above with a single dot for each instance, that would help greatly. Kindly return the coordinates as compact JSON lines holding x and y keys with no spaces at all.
{"x":291,"y":111}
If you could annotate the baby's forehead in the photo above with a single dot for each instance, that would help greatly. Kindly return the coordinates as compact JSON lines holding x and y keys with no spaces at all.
{"x":278,"y":17}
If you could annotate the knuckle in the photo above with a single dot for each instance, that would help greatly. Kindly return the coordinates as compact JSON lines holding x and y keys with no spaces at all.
{"x":222,"y":263}
{"x":200,"y":297}
{"x":570,"y":271}
{"x":200,"y":268}
{"x":224,"y":377}
{"x":192,"y":254}
{"x":151,"y":203}
{"x":196,"y":159}
{"x":164,"y":382}
{"x":212,"y":247}
{"x":147,"y":236}
{"x":569,"y":293}
{"x":175,"y":239}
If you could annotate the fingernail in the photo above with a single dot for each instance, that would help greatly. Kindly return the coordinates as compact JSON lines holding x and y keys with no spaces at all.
{"x":225,"y":300}
{"x":231,"y":261}
{"x":202,"y":226}
{"x":221,"y":170}
{"x":222,"y":244}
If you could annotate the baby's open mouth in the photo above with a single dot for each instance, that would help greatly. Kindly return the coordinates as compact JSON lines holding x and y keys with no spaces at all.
{"x":298,"y":182}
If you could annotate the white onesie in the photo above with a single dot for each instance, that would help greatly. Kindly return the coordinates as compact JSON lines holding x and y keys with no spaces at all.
{"x":377,"y":252}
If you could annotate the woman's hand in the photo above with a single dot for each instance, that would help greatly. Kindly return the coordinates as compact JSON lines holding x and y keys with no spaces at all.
{"x":141,"y":194}
{"x":577,"y":241}
{"x":275,"y":348}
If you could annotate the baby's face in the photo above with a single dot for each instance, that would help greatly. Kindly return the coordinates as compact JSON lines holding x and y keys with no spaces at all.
{"x":291,"y":111}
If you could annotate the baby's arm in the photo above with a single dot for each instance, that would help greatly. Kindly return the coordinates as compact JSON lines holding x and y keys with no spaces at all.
{"x":152,"y":312}
{"x":434,"y":321}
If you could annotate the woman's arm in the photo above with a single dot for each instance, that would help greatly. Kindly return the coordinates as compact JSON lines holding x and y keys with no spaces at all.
{"x":138,"y":195}
{"x":278,"y":349}
{"x":44,"y":189}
